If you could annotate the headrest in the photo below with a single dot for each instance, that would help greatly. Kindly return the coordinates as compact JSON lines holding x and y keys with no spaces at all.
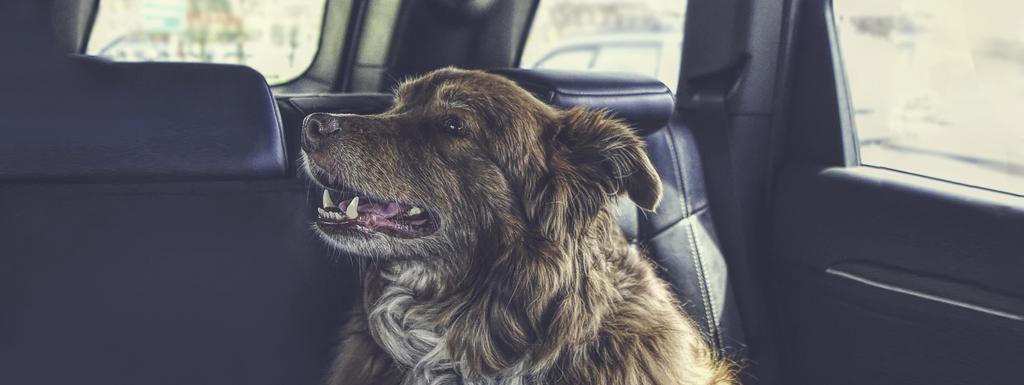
{"x":645,"y":103}
{"x":100,"y":120}
{"x":348,"y":103}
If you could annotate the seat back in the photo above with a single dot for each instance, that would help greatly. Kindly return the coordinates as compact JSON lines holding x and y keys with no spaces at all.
{"x":149,"y":235}
{"x":95,"y":120}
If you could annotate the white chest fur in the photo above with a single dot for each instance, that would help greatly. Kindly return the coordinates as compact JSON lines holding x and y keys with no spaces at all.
{"x":408,"y":329}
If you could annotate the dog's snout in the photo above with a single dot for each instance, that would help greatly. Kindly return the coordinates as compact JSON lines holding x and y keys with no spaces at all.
{"x":321,"y":124}
{"x":318,"y":126}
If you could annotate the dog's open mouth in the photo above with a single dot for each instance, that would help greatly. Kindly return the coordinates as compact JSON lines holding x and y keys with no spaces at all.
{"x":348,"y":212}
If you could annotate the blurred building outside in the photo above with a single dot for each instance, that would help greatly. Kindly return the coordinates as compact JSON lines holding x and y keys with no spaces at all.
{"x":276,"y":37}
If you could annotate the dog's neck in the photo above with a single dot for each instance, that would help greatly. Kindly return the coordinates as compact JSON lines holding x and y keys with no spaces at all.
{"x":401,"y":321}
{"x":408,"y":303}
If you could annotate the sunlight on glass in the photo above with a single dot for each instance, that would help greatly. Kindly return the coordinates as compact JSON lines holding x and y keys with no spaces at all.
{"x":276,"y":37}
{"x":937,"y":87}
{"x":638,"y":36}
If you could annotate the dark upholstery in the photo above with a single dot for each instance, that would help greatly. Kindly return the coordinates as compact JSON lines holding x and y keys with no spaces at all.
{"x":166,"y":283}
{"x":97,"y":120}
{"x":147,"y":236}
{"x":200,"y":281}
{"x":680,"y":237}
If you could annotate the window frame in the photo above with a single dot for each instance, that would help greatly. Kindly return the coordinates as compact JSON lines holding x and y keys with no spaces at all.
{"x":847,"y":123}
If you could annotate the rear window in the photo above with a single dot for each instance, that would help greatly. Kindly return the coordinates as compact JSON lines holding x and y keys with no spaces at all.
{"x":937,"y":86}
{"x":279,"y":38}
{"x":637,"y":36}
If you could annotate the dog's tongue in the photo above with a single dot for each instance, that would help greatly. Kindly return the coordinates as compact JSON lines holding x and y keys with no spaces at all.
{"x":396,"y":218}
{"x":376,"y":209}
{"x":382,"y":216}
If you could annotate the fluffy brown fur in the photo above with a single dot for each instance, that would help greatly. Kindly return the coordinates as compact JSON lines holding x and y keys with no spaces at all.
{"x":527,"y":279}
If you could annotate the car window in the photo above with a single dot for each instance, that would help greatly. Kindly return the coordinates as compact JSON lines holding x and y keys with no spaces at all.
{"x":641,"y":58}
{"x":936,"y":87}
{"x":569,"y":58}
{"x":638,"y":36}
{"x":279,"y":38}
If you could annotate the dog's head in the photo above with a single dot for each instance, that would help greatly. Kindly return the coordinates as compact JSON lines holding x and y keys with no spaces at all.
{"x":463,"y":157}
{"x":470,"y":171}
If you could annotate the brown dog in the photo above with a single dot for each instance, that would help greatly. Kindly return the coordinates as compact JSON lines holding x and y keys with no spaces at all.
{"x":488,"y":250}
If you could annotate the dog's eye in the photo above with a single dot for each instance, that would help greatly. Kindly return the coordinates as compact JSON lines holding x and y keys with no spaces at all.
{"x":453,"y":126}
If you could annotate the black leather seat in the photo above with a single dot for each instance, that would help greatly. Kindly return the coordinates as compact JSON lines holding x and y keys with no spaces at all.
{"x":150,"y":235}
{"x":150,"y":231}
{"x":680,"y":237}
{"x":101,"y":120}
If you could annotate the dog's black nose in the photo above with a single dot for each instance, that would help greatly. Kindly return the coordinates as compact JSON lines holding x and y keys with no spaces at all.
{"x":316,"y":127}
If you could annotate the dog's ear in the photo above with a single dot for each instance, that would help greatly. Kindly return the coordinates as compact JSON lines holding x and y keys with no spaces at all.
{"x":531,"y":296}
{"x":593,"y":158}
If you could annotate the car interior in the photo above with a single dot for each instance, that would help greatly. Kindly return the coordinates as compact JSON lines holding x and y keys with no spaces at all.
{"x":155,"y":218}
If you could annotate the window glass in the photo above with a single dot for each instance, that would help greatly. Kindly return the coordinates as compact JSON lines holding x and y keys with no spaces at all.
{"x":642,"y":58}
{"x":937,"y":87}
{"x":279,"y":38}
{"x":568,"y":59}
{"x":638,"y":36}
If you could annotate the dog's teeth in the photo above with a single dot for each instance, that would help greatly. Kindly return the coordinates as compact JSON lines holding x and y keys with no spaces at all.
{"x":414,"y":211}
{"x":327,"y":199}
{"x":353,"y":208}
{"x":321,"y":211}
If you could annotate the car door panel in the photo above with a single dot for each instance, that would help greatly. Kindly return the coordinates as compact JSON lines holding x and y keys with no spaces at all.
{"x":882,"y":276}
{"x":897,"y":277}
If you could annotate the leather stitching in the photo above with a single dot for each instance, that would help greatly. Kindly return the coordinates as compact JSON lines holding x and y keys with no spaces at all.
{"x":698,"y":260}
{"x":666,"y":228}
